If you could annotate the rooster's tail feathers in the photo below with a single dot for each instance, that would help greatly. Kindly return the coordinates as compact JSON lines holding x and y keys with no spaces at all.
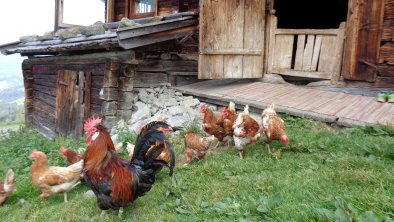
{"x":172,"y":158}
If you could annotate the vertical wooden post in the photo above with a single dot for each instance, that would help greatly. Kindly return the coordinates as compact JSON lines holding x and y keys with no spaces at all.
{"x":338,"y":53}
{"x":127,"y":8}
{"x":58,"y":14}
{"x":271,"y":40}
{"x":110,"y":11}
{"x":28,"y":84}
{"x":111,"y":95}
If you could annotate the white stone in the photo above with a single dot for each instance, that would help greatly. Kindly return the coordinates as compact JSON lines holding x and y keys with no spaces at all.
{"x":142,"y":112}
{"x":151,"y":91}
{"x":176,"y":110}
{"x":88,"y":194}
{"x":190,"y":103}
{"x":178,"y":121}
{"x":170,"y":102}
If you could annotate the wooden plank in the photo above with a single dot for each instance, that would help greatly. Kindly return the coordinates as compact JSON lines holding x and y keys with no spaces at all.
{"x":48,"y":99}
{"x":387,"y":53}
{"x":232,"y":64}
{"x":54,"y":49}
{"x":212,"y":36}
{"x":148,"y":79}
{"x":307,"y":74}
{"x":363,"y":39}
{"x":233,"y":51}
{"x":338,"y":53}
{"x":308,"y":52}
{"x":111,"y":78}
{"x":306,"y":31}
{"x":161,"y":26}
{"x":66,"y":101}
{"x":385,"y":82}
{"x":254,"y":31}
{"x":157,"y":37}
{"x":351,"y":42}
{"x":110,"y":11}
{"x":44,"y":89}
{"x":316,"y":52}
{"x":87,"y":91}
{"x":44,"y":108}
{"x":283,"y":51}
{"x":327,"y":55}
{"x":127,"y":8}
{"x":299,"y":53}
{"x":110,"y":94}
{"x":386,"y":70}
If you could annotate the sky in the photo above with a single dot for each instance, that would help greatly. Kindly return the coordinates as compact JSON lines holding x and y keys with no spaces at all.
{"x":35,"y":17}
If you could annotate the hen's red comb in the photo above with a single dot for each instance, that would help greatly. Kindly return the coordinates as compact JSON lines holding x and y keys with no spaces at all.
{"x":91,"y":122}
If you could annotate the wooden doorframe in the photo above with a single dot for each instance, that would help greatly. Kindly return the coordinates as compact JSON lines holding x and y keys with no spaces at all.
{"x":317,"y":53}
{"x":272,"y":31}
{"x":362,"y":46}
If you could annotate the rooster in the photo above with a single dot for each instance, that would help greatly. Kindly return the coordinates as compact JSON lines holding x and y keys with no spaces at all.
{"x":7,"y":187}
{"x":115,"y":181}
{"x":212,"y":124}
{"x":273,"y":127}
{"x":167,"y":155}
{"x":53,"y":179}
{"x":196,"y":146}
{"x":246,"y":130}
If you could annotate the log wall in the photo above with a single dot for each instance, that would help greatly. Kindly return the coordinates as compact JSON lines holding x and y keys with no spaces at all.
{"x":117,"y":76}
{"x":386,"y":54}
{"x":152,"y":70}
{"x":40,"y":91}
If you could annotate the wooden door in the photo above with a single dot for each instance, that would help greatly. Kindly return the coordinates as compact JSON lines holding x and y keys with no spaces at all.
{"x":231,"y":39}
{"x":72,"y":102}
{"x":362,"y":44}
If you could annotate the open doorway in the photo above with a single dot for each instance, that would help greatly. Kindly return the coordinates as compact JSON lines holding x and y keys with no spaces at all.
{"x":306,"y":39}
{"x":310,"y":14}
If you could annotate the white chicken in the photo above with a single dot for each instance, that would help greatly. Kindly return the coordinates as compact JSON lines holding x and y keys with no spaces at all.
{"x":246,"y":130}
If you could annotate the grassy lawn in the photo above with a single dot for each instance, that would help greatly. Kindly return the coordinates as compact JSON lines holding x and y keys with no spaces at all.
{"x":323,"y":175}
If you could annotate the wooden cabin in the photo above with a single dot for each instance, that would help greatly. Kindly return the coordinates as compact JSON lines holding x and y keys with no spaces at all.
{"x":184,"y":41}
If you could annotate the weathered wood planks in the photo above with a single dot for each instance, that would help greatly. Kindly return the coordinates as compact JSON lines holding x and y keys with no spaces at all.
{"x":231,"y":39}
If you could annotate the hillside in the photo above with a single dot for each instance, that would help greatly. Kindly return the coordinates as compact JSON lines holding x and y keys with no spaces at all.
{"x":322,"y":175}
{"x":11,"y":89}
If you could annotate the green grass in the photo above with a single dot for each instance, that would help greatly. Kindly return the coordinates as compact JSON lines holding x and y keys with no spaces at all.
{"x":323,"y":175}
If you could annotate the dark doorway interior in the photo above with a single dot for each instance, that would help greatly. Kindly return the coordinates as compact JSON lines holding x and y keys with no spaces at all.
{"x":310,"y":14}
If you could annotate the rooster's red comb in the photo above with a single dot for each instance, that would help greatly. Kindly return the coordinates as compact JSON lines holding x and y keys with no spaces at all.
{"x":91,"y":122}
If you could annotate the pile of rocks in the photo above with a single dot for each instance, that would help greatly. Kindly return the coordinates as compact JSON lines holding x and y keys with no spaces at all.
{"x":162,"y":103}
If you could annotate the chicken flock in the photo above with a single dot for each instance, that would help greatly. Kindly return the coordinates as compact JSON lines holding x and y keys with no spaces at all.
{"x":117,"y":182}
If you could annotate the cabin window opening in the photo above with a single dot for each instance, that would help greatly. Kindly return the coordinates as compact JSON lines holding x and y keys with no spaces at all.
{"x":144,"y":6}
{"x":310,"y":14}
{"x":68,"y":13}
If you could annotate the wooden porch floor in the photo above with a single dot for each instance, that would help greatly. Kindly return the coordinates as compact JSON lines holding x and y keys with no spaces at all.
{"x":343,"y":108}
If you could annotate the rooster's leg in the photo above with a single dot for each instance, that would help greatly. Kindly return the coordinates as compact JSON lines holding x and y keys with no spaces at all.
{"x":241,"y":154}
{"x":103,"y":213}
{"x":268,"y":148}
{"x":120,"y":213}
{"x":65,"y":197}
